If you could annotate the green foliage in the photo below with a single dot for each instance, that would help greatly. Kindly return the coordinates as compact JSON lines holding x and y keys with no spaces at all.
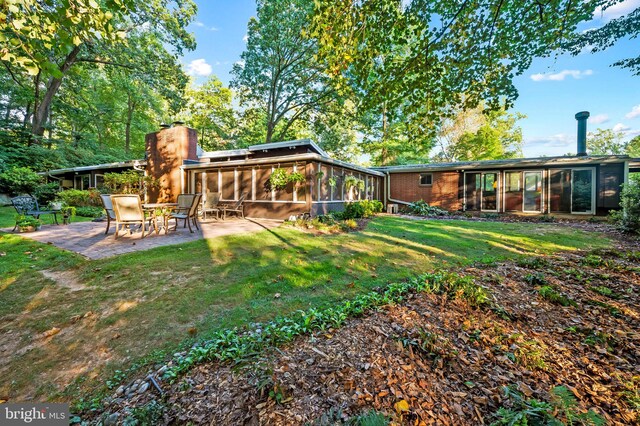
{"x":25,"y":222}
{"x":628,"y":218}
{"x":606,"y":142}
{"x":46,"y":192}
{"x":149,"y":414}
{"x":530,"y":354}
{"x":19,"y":180}
{"x":89,"y":211}
{"x":533,"y":263}
{"x":537,"y":279}
{"x":422,"y":208}
{"x":237,"y":345}
{"x":562,"y":409}
{"x":69,"y":211}
{"x":80,"y":198}
{"x":549,"y":293}
{"x":281,"y":178}
{"x":128,"y":182}
{"x":361,"y":209}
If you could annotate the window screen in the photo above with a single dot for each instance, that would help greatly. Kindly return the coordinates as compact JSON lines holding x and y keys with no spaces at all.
{"x":426,"y":179}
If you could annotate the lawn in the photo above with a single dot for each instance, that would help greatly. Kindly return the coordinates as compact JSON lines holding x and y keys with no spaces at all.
{"x":69,"y":323}
{"x":8,"y":218}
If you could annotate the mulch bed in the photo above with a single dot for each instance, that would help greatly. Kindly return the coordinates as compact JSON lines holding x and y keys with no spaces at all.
{"x":449,"y":361}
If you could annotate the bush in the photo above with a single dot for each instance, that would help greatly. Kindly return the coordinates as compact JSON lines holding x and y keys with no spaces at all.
{"x":628,"y":218}
{"x":422,"y":208}
{"x":19,"y":180}
{"x":80,"y":198}
{"x":360,"y":209}
{"x":46,"y":193}
{"x":89,"y":211}
{"x":129,"y":182}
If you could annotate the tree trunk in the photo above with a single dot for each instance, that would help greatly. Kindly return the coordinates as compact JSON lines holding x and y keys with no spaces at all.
{"x":40,"y":116}
{"x":131,"y":105}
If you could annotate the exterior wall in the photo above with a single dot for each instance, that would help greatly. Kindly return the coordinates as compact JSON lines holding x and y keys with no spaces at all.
{"x":443,"y":192}
{"x":166,"y":151}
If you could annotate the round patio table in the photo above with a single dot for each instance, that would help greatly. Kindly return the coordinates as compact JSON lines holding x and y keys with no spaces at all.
{"x":159,"y":211}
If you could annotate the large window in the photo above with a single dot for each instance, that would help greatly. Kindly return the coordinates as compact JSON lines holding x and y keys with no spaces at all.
{"x":582,"y":191}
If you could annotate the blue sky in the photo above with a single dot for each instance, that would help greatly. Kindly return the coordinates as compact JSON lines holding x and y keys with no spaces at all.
{"x":551,"y":91}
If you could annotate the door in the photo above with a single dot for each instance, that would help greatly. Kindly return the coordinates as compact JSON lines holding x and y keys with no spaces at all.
{"x":582,"y":191}
{"x":532,"y":197}
{"x":490,"y":191}
{"x":472,"y":191}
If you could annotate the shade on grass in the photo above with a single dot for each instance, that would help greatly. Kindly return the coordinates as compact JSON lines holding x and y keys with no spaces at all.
{"x":134,"y":304}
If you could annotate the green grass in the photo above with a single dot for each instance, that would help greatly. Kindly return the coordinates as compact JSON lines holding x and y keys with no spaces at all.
{"x":8,"y":218}
{"x":138,"y":306}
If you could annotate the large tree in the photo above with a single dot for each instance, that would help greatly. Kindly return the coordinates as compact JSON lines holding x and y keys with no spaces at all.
{"x":423,"y":60}
{"x":278,"y":71}
{"x":46,"y":40}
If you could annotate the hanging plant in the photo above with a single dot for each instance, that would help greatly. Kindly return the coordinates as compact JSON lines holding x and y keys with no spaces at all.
{"x":353,"y":182}
{"x":279,"y":179}
{"x":297,"y":178}
{"x":333,"y":181}
{"x":319,"y":175}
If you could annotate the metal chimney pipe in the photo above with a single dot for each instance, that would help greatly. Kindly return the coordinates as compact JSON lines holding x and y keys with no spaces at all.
{"x":582,"y":117}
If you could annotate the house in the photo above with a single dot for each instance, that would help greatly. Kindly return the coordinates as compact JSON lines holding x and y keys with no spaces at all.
{"x":577,"y":185}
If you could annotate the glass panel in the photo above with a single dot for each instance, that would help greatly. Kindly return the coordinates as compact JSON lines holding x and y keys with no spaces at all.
{"x":513,"y":191}
{"x":489,"y":191}
{"x":472,"y":191}
{"x":560,"y":191}
{"x":581,"y":191}
{"x":533,"y":191}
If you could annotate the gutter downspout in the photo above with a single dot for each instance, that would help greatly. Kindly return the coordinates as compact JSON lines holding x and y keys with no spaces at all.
{"x":406,"y":203}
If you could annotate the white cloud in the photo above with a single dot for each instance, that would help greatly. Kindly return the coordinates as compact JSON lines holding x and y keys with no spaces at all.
{"x":553,"y":141}
{"x":599,"y":119}
{"x":560,"y":76}
{"x":214,"y":29}
{"x":198,"y":24}
{"x":621,"y":128}
{"x":199,"y":68}
{"x":635,"y":112}
{"x":616,"y":11}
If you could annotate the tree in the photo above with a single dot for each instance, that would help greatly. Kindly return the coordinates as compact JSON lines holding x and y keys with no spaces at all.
{"x":46,"y":40}
{"x":606,"y":142}
{"x":278,"y":72}
{"x":479,"y":134}
{"x":429,"y":59}
{"x":633,"y":147}
{"x":209,"y":111}
{"x":602,"y":38}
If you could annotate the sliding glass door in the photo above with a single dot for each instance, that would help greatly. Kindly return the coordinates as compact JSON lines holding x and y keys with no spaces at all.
{"x":490,"y":191}
{"x":582,"y":191}
{"x":532,"y":197}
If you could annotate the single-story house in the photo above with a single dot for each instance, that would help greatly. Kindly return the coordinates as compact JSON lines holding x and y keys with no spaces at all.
{"x":579,"y":185}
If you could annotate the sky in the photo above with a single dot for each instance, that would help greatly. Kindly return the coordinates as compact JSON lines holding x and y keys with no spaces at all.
{"x":551,"y":92}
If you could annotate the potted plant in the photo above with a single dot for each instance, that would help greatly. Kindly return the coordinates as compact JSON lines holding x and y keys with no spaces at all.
{"x":28,"y":223}
{"x":67,"y":213}
{"x":297,"y":178}
{"x":278,"y":179}
{"x":55,"y":205}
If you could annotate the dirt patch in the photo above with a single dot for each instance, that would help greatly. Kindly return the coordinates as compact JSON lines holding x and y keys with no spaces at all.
{"x":65,"y":279}
{"x":449,"y":362}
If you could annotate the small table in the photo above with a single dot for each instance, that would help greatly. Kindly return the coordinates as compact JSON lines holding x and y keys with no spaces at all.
{"x":160,"y":210}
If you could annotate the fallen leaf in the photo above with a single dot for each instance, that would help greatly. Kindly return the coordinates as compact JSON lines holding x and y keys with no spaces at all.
{"x":401,"y":406}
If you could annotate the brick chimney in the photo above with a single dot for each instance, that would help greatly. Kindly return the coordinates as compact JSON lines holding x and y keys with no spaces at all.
{"x":166,"y":150}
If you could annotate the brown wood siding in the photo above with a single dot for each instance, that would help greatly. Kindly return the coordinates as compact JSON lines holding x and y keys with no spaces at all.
{"x":610,"y":177}
{"x":262,"y":183}
{"x":442,"y":193}
{"x":228,"y":184}
{"x":270,"y":210}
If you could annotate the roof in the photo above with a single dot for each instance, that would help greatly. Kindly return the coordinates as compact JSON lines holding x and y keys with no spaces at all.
{"x":122,"y":164}
{"x":225,"y":153}
{"x":289,"y":144}
{"x":510,"y":163}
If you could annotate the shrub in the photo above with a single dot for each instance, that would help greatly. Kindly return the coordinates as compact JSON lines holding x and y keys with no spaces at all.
{"x":422,"y":208}
{"x":360,"y":209}
{"x":129,"y":182}
{"x":89,"y":211}
{"x":19,"y":180}
{"x":80,"y":198}
{"x":628,"y":218}
{"x":46,"y":193}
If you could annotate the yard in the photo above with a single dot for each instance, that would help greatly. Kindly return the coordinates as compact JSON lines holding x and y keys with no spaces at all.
{"x":70,"y":324}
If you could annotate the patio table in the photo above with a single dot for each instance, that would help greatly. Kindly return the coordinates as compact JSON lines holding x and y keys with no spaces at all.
{"x":159,"y":211}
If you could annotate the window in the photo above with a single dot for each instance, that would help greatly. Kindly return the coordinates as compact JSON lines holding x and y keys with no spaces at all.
{"x":426,"y":179}
{"x":513,"y":181}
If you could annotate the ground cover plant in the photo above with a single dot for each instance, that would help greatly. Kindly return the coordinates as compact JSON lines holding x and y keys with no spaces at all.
{"x":438,"y":356}
{"x":75,"y":322}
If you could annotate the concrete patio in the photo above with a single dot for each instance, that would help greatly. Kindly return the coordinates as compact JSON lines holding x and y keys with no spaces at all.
{"x":89,"y":240}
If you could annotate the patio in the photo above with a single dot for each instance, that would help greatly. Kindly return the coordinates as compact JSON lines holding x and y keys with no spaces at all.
{"x":89,"y":240}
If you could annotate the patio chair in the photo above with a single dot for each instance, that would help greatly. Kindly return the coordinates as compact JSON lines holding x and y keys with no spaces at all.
{"x":189,"y":215}
{"x":211,"y":204}
{"x":237,"y":207}
{"x":128,"y":211}
{"x":108,"y":209}
{"x":27,"y":205}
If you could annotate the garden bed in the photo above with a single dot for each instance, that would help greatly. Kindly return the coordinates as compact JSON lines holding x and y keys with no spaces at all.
{"x":568,"y":320}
